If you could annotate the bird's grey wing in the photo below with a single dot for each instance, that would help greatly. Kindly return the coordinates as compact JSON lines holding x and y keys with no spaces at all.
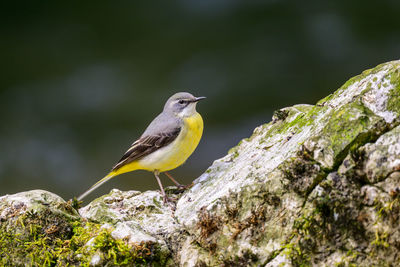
{"x":161,"y":132}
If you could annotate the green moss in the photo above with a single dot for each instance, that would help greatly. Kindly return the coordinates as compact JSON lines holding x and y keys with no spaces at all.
{"x":350,"y":82}
{"x":118,"y":252}
{"x":234,"y":151}
{"x":316,"y":228}
{"x":308,"y":230}
{"x":350,"y":127}
{"x":297,"y":123}
{"x":296,"y":255}
{"x":355,"y":79}
{"x":47,"y":240}
{"x":381,"y":240}
{"x":349,"y":260}
{"x":388,"y":215}
{"x":324,"y":100}
{"x":394,"y":95}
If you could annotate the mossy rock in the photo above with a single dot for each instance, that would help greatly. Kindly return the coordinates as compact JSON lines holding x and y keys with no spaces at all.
{"x":38,"y":228}
{"x":317,"y":186}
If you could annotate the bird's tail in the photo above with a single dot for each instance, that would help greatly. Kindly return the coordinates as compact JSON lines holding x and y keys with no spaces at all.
{"x":96,"y":185}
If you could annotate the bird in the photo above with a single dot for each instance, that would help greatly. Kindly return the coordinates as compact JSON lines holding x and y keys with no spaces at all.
{"x":166,"y":143}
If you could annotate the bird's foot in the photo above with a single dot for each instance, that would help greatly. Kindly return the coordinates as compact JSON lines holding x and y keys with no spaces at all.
{"x":182,"y":186}
{"x":171,"y":202}
{"x":167,"y":199}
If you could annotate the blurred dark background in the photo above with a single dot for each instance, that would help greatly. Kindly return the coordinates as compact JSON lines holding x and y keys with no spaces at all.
{"x":79,"y":83}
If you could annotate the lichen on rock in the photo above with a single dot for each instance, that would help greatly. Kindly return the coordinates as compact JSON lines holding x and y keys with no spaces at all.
{"x":318,"y":185}
{"x":287,"y":160}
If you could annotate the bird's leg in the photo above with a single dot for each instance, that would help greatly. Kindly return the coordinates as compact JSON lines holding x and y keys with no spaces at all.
{"x":176,"y":182}
{"x":165,"y":198}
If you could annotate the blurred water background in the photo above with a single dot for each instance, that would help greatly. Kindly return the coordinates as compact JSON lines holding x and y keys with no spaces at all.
{"x":80,"y":82}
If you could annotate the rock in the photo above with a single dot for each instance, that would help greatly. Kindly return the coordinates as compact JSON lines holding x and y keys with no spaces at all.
{"x":249,"y":205}
{"x":25,"y":218}
{"x":136,"y":218}
{"x":40,"y":228}
{"x":318,"y":185}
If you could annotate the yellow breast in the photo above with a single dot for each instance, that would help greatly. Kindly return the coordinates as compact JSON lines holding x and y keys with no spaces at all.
{"x":194,"y":131}
{"x":176,"y":153}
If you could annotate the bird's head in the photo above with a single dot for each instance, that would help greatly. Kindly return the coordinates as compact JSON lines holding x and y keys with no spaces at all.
{"x":182,"y":104}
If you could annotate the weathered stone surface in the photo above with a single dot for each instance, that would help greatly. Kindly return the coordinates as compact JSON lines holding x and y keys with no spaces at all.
{"x":318,"y":185}
{"x":267,"y":179}
{"x":136,"y":217}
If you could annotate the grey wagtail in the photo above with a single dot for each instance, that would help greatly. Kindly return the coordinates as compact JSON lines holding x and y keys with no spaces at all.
{"x":166,"y":143}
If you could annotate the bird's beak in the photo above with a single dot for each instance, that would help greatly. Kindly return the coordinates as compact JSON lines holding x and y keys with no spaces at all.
{"x":199,"y":98}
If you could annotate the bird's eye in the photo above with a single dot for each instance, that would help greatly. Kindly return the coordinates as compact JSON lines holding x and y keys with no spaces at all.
{"x":181,"y":101}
